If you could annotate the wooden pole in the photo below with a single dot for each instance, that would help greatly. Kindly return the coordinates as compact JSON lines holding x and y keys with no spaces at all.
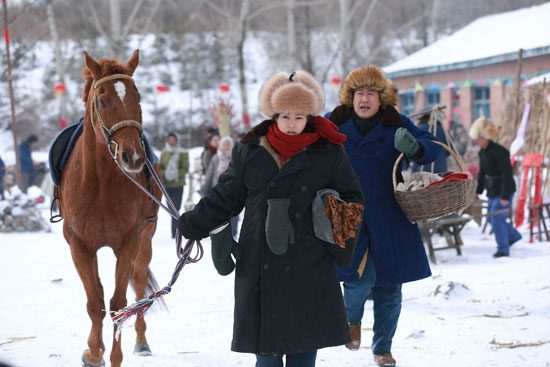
{"x":518,"y":89}
{"x":12,"y":99}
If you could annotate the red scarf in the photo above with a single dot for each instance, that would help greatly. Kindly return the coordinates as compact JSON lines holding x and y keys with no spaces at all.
{"x":289,"y":145}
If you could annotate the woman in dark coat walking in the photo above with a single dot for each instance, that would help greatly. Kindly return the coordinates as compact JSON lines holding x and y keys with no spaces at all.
{"x":288,"y":299}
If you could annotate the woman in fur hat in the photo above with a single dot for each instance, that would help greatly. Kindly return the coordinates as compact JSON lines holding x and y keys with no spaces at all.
{"x":287,"y":295}
{"x":389,"y":249}
{"x":495,"y":176}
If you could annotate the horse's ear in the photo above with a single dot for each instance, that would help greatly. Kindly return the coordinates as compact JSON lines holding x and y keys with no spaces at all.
{"x":93,"y":66}
{"x":133,"y":62}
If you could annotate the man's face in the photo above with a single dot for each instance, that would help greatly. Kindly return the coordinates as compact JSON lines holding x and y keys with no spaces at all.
{"x":366,"y":102}
{"x":172,"y":141}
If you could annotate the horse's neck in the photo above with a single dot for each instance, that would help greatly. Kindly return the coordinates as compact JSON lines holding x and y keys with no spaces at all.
{"x":97,"y":163}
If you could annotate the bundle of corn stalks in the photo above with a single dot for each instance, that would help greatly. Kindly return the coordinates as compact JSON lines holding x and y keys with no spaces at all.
{"x":509,"y":121}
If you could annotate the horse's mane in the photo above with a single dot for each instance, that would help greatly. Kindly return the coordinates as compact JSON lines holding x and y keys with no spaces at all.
{"x":108,"y":67}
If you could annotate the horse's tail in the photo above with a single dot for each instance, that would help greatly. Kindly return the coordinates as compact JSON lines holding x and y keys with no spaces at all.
{"x":152,"y":287}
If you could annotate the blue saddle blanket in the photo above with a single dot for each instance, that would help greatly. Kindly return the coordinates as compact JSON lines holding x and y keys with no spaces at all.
{"x":63,"y":144}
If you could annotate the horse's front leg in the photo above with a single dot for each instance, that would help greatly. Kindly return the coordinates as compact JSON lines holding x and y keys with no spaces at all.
{"x":140,"y":278}
{"x":86,"y":265}
{"x":125,"y":257}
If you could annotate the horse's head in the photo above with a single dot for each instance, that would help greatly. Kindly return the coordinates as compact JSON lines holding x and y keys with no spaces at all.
{"x":112,"y":105}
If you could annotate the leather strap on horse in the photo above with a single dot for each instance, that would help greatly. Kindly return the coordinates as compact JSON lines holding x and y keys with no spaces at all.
{"x":108,"y":133}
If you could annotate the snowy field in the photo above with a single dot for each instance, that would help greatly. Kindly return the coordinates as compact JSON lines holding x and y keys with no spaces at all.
{"x":500,"y":318}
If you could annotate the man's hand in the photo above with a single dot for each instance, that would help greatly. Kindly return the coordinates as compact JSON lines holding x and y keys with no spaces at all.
{"x":504,"y":202}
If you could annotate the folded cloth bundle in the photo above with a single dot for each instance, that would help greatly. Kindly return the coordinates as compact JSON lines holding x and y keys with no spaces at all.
{"x":334,"y":220}
{"x":418,"y":181}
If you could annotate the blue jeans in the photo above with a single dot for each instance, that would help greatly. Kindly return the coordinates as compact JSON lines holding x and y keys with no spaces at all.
{"x":505,"y":233}
{"x":306,"y":359}
{"x":387,"y":306}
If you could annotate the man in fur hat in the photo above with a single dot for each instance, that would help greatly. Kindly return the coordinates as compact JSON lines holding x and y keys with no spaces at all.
{"x":495,"y":176}
{"x":389,"y":249}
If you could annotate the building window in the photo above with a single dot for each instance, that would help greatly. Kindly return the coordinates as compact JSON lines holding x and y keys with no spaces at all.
{"x":432,"y":98}
{"x":407,"y":103}
{"x":481,"y":102}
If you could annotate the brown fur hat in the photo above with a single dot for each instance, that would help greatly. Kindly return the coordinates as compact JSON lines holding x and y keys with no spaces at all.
{"x":370,"y":77}
{"x":297,"y":92}
{"x":483,"y":128}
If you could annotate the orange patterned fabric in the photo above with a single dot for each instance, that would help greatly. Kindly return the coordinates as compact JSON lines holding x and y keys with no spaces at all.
{"x":345,"y":218}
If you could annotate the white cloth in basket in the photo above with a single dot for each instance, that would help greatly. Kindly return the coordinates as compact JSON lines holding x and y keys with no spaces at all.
{"x":417,"y":181}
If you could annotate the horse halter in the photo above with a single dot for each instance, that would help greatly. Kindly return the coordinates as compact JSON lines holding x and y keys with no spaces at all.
{"x":108,"y":133}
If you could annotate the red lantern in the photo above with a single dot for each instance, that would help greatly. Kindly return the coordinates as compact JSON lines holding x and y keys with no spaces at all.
{"x":224,"y":88}
{"x":161,"y":89}
{"x":246,"y":120}
{"x":59,"y":89}
{"x":336,"y":81}
{"x":62,"y":123}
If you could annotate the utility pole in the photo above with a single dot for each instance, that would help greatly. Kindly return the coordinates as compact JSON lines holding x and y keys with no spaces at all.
{"x":12,"y":100}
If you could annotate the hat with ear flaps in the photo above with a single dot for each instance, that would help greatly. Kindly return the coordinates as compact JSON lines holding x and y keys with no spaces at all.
{"x":370,"y":77}
{"x":297,"y":92}
{"x":483,"y":128}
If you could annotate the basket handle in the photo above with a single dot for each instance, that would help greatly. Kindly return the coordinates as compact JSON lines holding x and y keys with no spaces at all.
{"x":453,"y":154}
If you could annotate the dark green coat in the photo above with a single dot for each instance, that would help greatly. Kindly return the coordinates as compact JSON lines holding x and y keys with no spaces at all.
{"x":288,"y":303}
{"x":183,"y":168}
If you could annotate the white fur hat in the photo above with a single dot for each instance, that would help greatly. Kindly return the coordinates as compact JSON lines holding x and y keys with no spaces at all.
{"x":483,"y":128}
{"x":297,"y":92}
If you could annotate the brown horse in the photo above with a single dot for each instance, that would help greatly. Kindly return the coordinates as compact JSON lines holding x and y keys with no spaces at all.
{"x":101,"y":206}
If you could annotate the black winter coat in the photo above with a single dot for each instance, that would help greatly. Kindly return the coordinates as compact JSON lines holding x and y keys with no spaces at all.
{"x":495,"y":172}
{"x":290,"y":303}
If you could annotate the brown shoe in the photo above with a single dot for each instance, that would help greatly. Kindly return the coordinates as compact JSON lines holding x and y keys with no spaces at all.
{"x":355,"y":332}
{"x":384,"y":360}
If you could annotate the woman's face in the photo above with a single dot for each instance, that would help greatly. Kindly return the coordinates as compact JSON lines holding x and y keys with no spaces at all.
{"x":292,"y":123}
{"x":214,"y":141}
{"x":226,"y":146}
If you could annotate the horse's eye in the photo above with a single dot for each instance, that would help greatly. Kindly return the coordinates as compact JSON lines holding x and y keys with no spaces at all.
{"x":101,"y":90}
{"x":102,"y":103}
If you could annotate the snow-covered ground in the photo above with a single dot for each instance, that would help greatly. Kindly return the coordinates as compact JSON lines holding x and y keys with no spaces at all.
{"x":491,"y":322}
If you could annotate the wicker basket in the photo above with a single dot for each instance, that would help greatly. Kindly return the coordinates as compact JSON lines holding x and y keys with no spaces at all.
{"x":438,"y":200}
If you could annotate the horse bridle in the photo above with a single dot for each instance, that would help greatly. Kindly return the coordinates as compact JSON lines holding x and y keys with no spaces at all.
{"x":108,"y":133}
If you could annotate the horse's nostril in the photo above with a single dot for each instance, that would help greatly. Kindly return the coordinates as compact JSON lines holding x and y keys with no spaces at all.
{"x":125,"y":157}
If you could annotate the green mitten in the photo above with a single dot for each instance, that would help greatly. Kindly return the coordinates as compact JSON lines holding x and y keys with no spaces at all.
{"x":222,"y":246}
{"x":406,"y":143}
{"x":278,"y":228}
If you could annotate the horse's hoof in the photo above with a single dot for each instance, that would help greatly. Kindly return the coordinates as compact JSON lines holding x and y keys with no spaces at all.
{"x":85,"y":363}
{"x":142,"y":350}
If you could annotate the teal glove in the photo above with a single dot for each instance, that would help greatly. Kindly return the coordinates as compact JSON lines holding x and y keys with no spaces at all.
{"x":406,"y":143}
{"x":222,"y":247}
{"x":278,"y":227}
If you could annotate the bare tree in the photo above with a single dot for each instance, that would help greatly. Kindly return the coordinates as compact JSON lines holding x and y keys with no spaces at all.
{"x":57,"y":48}
{"x":116,"y":39}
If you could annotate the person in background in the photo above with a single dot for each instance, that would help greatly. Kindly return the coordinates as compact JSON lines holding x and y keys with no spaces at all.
{"x":288,"y":300}
{"x":28,"y":165}
{"x":210,"y":150}
{"x":440,"y":163}
{"x":495,"y":176}
{"x":217,"y":166}
{"x":389,"y":251}
{"x":174,"y":165}
{"x":2,"y":173}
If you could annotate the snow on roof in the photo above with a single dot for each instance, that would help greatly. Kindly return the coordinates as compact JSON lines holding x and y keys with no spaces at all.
{"x":486,"y":37}
{"x":539,"y":79}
